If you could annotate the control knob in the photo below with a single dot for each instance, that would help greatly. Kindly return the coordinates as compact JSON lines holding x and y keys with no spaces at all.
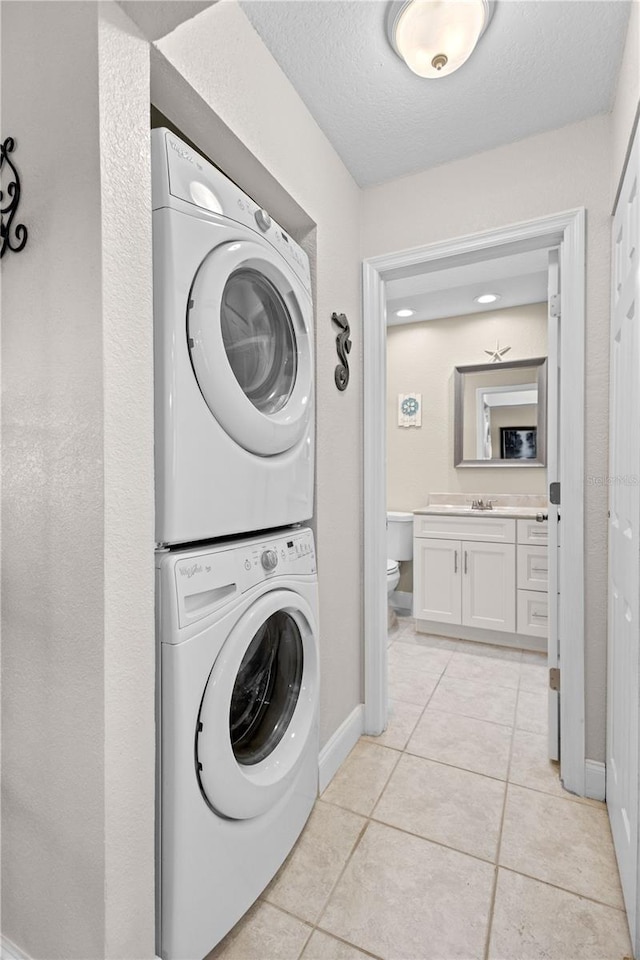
{"x":263,"y":220}
{"x":269,"y":559}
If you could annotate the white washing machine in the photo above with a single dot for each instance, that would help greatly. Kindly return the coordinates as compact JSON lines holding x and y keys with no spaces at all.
{"x":238,"y":728}
{"x":234,"y":378}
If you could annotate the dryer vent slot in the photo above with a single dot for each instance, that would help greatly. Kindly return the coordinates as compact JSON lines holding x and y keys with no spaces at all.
{"x":196,"y":602}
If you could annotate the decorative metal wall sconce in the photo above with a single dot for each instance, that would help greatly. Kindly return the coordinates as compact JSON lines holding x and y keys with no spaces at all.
{"x":9,"y":200}
{"x":343,"y":346}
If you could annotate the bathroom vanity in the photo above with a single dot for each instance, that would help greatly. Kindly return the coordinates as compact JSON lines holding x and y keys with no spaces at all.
{"x":482,"y":574}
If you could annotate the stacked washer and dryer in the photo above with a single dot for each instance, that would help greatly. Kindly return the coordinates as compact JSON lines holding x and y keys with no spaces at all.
{"x":236,"y":581}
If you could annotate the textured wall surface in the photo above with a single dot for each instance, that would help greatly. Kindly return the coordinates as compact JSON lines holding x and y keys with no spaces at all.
{"x":77,"y":511}
{"x":555,"y":171}
{"x":421,"y":358}
{"x":627,"y":96}
{"x":53,"y":497}
{"x":128,"y":566}
{"x":223,"y":58}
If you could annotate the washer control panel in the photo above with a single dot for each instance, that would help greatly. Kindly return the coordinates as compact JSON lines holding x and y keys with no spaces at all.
{"x":292,"y":553}
{"x":208,"y":578}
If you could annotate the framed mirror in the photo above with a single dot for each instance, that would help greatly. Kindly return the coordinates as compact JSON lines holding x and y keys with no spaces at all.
{"x":500,"y":414}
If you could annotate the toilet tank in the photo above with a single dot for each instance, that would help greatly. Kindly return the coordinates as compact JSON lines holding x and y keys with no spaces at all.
{"x":399,"y":535}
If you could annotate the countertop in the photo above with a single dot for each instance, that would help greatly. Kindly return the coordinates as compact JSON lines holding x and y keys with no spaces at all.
{"x":457,"y":510}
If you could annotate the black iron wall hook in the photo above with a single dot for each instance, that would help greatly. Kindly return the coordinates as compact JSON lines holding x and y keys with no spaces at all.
{"x":343,"y":346}
{"x":9,"y":200}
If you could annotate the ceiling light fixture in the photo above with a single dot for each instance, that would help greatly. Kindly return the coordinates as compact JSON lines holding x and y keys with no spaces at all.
{"x":435,"y":37}
{"x":487,"y":298}
{"x":405,"y":313}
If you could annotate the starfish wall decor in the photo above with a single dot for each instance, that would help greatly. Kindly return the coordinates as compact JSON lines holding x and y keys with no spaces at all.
{"x":497,"y":354}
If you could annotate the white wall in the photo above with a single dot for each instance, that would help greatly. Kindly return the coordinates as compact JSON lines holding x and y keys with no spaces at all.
{"x":222,"y":58}
{"x":627,"y":96}
{"x":53,"y":536}
{"x":541,"y":175}
{"x":421,"y":358}
{"x":128,"y":564}
{"x":77,"y":508}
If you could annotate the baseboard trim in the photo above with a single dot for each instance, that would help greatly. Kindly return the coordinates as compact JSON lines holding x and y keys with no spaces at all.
{"x":497,"y":638}
{"x":401,"y":601}
{"x":339,"y":746}
{"x":9,"y":951}
{"x":595,"y":779}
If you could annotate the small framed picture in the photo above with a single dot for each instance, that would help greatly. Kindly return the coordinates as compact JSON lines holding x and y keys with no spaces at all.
{"x":518,"y":443}
{"x":409,"y":409}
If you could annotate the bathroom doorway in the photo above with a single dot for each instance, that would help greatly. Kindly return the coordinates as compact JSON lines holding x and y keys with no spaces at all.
{"x":566,"y":327}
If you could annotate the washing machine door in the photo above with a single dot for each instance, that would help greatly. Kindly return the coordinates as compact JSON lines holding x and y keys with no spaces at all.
{"x":258,"y":713}
{"x":249,"y":336}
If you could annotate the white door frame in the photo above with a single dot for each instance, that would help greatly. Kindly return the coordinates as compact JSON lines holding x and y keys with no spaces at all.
{"x":566,"y":230}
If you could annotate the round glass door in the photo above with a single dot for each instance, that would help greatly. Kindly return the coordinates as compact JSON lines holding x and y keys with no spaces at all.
{"x":266,"y":689}
{"x":259,"y":339}
{"x":249,"y":337}
{"x":258,"y":714}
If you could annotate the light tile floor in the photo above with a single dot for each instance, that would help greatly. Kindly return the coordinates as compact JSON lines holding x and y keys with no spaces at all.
{"x":450,"y":836}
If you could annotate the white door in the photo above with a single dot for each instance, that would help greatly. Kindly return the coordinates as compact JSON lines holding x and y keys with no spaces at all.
{"x":437,"y":566}
{"x":249,"y":337}
{"x":624,"y":540}
{"x":553,"y":476}
{"x":489,"y":585}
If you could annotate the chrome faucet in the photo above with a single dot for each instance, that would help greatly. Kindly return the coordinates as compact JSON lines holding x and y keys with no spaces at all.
{"x":480,"y":504}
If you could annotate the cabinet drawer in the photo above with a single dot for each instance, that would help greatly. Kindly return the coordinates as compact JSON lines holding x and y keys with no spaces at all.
{"x":530,"y":531}
{"x":482,"y":528}
{"x":533,"y":613}
{"x":533,"y":569}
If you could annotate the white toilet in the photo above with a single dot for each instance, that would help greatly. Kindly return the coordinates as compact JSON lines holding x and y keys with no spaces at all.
{"x":399,"y":546}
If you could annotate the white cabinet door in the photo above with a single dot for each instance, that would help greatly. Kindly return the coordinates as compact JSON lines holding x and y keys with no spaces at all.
{"x":437,"y":566}
{"x":489,"y":586}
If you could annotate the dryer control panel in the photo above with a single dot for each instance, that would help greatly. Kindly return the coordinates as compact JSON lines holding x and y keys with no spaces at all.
{"x":208,"y":578}
{"x":179,"y":171}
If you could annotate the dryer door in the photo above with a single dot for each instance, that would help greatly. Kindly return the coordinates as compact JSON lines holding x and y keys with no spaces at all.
{"x":258,"y":712}
{"x":249,"y":336}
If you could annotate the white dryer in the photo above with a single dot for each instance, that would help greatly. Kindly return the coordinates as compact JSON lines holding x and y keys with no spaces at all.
{"x":238,"y":727}
{"x":234,"y":379}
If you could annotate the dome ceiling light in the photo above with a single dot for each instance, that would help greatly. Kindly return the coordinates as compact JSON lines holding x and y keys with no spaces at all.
{"x":435,"y":37}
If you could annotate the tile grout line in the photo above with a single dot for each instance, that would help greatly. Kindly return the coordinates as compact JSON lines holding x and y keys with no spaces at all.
{"x":369,"y":820}
{"x":494,"y":890}
{"x":572,"y":893}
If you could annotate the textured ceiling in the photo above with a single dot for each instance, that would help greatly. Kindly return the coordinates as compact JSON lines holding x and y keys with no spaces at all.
{"x":540,"y":65}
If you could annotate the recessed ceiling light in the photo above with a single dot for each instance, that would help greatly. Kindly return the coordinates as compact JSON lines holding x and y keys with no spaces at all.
{"x":405,"y":313}
{"x":487,"y":298}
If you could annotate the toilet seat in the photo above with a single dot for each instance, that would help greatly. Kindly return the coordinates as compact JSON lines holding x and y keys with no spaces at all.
{"x":392,"y":567}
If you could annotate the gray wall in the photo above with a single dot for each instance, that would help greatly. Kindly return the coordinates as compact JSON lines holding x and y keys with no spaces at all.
{"x":53,"y":535}
{"x":77,"y":547}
